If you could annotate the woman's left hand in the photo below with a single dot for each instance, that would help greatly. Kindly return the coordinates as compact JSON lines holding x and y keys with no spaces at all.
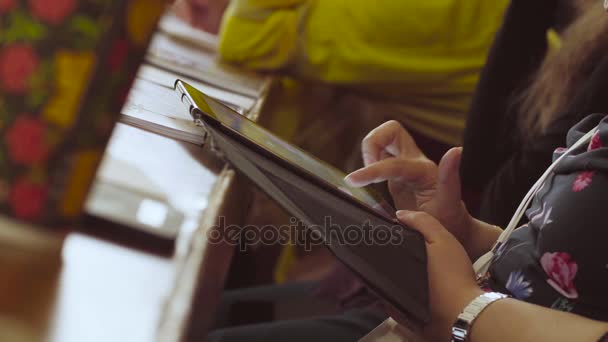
{"x":452,"y":284}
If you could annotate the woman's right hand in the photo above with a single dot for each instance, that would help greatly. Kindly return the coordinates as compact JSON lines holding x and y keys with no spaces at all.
{"x":202,"y":14}
{"x":415,"y":182}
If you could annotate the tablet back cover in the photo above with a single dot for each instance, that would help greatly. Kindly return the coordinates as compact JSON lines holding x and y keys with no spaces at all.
{"x":390,"y":259}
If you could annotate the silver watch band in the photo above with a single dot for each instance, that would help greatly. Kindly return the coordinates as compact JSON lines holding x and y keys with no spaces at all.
{"x":462,"y":326}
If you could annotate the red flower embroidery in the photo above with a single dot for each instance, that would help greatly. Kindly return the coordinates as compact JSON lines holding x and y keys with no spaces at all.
{"x":595,"y":142}
{"x":7,"y":5}
{"x":561,"y":270}
{"x":27,"y":199}
{"x":17,"y":64}
{"x":25,"y":140}
{"x":582,"y":181}
{"x":118,"y":54}
{"x":52,"y":12}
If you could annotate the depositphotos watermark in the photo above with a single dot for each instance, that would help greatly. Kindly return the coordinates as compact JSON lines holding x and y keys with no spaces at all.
{"x":296,"y":233}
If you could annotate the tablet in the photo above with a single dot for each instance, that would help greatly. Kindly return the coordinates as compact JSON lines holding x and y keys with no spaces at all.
{"x":356,"y":225}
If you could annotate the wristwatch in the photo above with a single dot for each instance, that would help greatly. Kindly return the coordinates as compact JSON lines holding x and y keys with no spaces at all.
{"x":462,"y":326}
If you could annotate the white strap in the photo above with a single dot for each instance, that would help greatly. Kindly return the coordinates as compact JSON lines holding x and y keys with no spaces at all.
{"x":482,"y":264}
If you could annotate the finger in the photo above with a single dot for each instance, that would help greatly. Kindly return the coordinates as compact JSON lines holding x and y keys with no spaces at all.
{"x":448,"y":179}
{"x":390,"y":137}
{"x":384,"y":154}
{"x":181,"y":8}
{"x":424,"y":223}
{"x":417,"y":172}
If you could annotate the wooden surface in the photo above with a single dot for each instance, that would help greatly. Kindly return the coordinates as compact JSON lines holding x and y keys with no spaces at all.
{"x":151,"y":168}
{"x":109,"y":292}
{"x":203,"y":267}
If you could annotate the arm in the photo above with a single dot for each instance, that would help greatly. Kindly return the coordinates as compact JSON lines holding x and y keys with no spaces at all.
{"x":357,"y":41}
{"x":564,"y":260}
{"x":510,"y":320}
{"x":452,"y":286}
{"x":262,"y":34}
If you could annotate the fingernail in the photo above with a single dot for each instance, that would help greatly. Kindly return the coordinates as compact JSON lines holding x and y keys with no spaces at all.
{"x":347,"y":180}
{"x":402,"y":213}
{"x":350,"y":181}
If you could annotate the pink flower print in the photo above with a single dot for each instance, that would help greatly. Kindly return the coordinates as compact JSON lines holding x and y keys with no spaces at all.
{"x":561,"y":270}
{"x":582,"y":181}
{"x":595,"y":142}
{"x":560,"y":150}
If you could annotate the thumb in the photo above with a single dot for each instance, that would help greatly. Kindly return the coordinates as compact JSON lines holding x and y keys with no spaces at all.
{"x":448,"y":178}
{"x":425,"y":224}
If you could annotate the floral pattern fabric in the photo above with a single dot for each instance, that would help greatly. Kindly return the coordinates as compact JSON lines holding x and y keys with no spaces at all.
{"x":519,"y":287}
{"x":65,"y":69}
{"x":561,"y":271}
{"x":558,"y":258}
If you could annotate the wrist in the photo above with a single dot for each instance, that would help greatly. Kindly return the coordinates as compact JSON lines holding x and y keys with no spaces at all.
{"x":463,"y":326}
{"x":451,"y":310}
{"x":461,"y":302}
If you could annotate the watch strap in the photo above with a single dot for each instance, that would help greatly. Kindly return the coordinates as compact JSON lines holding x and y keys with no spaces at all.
{"x":462,"y":326}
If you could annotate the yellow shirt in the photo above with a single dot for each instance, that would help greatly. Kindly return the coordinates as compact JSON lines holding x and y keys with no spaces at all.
{"x":418,"y":59}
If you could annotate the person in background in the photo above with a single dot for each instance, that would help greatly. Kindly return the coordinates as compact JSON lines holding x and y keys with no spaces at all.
{"x":414,"y":61}
{"x":514,"y":124}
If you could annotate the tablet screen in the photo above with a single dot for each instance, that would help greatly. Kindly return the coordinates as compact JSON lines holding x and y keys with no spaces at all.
{"x":279,"y":147}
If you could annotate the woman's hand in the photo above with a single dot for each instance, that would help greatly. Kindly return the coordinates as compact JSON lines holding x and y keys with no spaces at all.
{"x":452,"y":284}
{"x":415,"y":182}
{"x":203,"y":14}
{"x":452,"y":287}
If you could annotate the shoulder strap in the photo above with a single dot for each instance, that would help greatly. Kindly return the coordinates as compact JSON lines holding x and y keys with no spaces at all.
{"x":482,"y":264}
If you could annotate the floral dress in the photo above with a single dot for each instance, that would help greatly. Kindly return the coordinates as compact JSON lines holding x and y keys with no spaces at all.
{"x":558,"y":258}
